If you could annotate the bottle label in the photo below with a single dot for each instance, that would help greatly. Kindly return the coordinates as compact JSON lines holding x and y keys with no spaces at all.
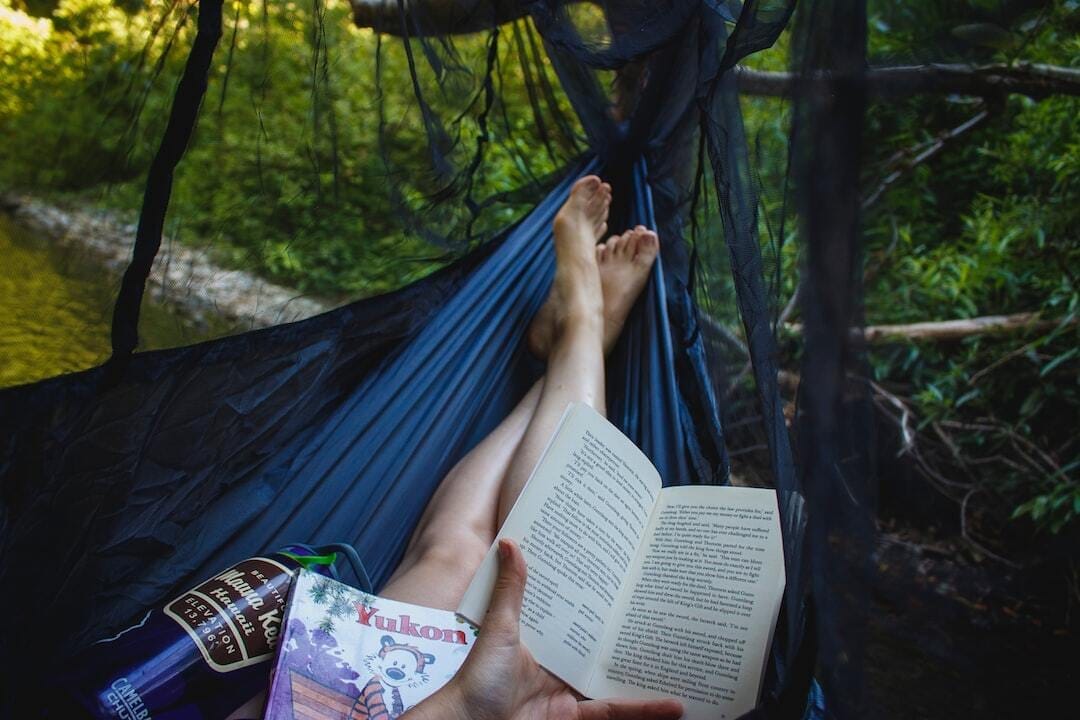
{"x":125,"y":701}
{"x":235,"y":617}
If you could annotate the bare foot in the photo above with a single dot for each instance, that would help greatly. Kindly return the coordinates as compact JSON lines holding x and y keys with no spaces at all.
{"x":576,"y":290}
{"x":625,"y":261}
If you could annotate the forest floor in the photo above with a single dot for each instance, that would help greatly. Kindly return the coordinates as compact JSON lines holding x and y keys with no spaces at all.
{"x":959,"y":629}
{"x":951,"y":637}
{"x":934,"y":628}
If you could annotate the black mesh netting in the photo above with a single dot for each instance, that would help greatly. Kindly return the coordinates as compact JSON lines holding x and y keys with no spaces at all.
{"x":623,"y":82}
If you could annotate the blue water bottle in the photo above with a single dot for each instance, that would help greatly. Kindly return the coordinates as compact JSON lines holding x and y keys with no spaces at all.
{"x":200,"y":656}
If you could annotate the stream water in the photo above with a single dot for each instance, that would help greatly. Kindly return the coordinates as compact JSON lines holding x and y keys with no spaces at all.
{"x":56,"y":304}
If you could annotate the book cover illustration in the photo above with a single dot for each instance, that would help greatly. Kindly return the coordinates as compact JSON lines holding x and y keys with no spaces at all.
{"x":347,"y":655}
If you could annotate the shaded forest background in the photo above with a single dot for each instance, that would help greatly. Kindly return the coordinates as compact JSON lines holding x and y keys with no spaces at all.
{"x":971,"y":204}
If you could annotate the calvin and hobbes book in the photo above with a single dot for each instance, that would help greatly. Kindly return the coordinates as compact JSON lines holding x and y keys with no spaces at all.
{"x":345,"y":654}
{"x":639,"y":591}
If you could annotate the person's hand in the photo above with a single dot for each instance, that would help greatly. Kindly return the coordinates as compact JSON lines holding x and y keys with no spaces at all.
{"x":500,"y":680}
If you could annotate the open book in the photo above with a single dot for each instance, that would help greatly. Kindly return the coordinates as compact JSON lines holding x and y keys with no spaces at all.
{"x":639,"y":591}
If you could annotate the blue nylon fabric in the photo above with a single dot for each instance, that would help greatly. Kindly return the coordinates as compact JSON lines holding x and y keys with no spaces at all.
{"x":815,"y":703}
{"x":333,"y":429}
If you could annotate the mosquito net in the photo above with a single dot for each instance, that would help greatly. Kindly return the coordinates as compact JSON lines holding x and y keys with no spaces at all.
{"x":646,"y":94}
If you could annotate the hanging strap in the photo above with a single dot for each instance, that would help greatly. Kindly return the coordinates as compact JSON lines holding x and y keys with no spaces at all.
{"x":182,"y":118}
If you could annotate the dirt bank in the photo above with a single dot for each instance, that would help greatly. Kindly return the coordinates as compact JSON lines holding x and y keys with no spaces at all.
{"x":184,"y":277}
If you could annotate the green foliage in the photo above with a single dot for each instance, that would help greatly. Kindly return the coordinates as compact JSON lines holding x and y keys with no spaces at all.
{"x":987,"y":227}
{"x":285,"y":177}
{"x":1056,"y":508}
{"x":64,"y":117}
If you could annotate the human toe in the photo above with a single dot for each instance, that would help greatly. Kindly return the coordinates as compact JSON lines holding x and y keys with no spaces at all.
{"x":589,"y":182}
{"x":647,"y":246}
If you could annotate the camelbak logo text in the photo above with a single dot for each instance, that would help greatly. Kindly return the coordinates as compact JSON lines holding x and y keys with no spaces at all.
{"x":126,"y":702}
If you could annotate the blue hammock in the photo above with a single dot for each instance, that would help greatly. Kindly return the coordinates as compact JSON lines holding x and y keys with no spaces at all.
{"x":126,"y":482}
{"x":336,"y":428}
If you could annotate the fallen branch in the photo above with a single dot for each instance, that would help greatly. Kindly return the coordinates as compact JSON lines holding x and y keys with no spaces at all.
{"x":903,"y":421}
{"x":1004,"y":359}
{"x":965,"y":532}
{"x":925,"y":451}
{"x":993,"y":426}
{"x":723,"y":333}
{"x":946,"y":330}
{"x":958,"y":329}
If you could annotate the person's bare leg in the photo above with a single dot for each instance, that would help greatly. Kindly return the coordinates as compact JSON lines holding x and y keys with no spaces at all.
{"x":625,"y":262}
{"x":575,"y":362}
{"x":464,"y":515}
{"x":456,"y":529}
{"x":460,"y":521}
{"x":541,"y":332}
{"x":575,"y":371}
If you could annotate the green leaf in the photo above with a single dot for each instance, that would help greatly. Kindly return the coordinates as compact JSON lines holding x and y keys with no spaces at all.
{"x":1065,"y":356}
{"x":970,"y":395}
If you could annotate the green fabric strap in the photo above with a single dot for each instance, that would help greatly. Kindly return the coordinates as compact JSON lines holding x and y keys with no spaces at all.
{"x":307,"y":561}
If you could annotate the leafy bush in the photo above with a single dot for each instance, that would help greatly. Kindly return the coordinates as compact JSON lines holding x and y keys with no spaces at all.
{"x":286,"y":148}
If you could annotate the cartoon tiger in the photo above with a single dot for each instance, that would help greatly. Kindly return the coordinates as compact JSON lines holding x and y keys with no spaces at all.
{"x":394,"y":666}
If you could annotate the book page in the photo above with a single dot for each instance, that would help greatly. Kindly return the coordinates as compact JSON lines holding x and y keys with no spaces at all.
{"x":695,"y":621}
{"x":579,"y":522}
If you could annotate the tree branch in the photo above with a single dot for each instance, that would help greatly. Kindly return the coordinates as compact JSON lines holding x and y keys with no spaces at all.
{"x":456,"y":17}
{"x":900,"y":163}
{"x":714,"y":327}
{"x":906,"y":160}
{"x":1031,"y":79}
{"x":448,"y":17}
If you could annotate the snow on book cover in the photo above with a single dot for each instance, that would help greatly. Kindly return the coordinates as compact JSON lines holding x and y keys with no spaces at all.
{"x":345,"y":654}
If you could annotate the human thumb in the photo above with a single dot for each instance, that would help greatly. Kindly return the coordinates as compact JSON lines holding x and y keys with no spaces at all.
{"x":504,"y":612}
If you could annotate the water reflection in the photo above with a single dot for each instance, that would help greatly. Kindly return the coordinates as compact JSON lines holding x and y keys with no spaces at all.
{"x":56,"y":304}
